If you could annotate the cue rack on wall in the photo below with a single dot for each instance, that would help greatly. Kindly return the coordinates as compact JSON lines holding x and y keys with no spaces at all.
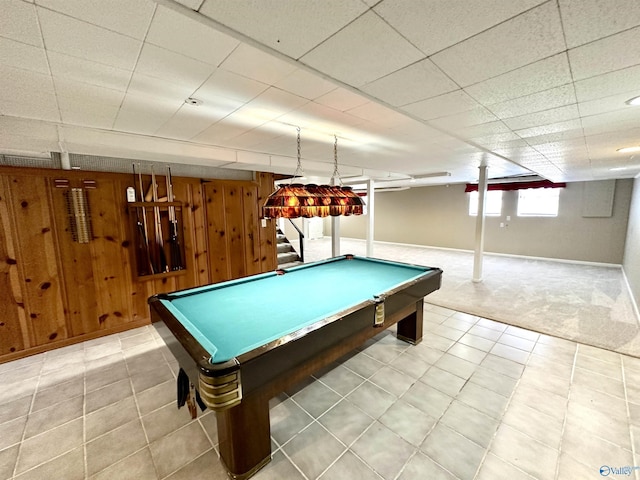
{"x":157,"y":229}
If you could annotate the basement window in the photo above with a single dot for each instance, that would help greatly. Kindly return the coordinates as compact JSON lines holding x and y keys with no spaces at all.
{"x":493,"y":206}
{"x":538,"y":202}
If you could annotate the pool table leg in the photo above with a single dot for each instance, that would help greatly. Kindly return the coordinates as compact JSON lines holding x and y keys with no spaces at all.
{"x":244,"y":437}
{"x":410,"y":328}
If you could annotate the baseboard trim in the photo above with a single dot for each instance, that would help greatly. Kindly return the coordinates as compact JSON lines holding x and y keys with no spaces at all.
{"x":526,"y":257}
{"x":633,"y":299}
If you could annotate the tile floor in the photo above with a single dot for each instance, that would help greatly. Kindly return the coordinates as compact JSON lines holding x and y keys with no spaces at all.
{"x":475,"y":400}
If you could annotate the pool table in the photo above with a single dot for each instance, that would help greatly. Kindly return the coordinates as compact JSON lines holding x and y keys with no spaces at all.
{"x":241,"y":342}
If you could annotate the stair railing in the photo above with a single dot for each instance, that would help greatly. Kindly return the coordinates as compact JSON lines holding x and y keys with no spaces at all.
{"x":300,"y":239}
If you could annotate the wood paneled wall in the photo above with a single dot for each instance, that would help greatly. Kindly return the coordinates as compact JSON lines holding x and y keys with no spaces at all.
{"x":54,"y":291}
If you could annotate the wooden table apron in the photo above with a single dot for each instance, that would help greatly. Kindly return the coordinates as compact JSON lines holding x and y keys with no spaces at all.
{"x":244,"y":430}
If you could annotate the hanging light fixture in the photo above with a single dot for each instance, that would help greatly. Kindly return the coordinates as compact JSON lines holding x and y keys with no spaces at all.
{"x":297,"y":200}
{"x":344,"y":201}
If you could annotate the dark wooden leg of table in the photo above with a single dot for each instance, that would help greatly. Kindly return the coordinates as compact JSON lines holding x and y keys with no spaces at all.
{"x":410,"y":328}
{"x":245,"y":437}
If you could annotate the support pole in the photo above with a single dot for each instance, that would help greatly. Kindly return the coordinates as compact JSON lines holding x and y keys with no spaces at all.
{"x":480,"y":224}
{"x":370,"y":221}
{"x":335,"y":228}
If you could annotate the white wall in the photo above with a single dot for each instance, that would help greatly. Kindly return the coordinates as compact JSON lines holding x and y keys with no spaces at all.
{"x":631,"y":262}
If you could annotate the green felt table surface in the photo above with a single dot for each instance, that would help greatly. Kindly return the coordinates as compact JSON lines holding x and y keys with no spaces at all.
{"x":234,"y":317}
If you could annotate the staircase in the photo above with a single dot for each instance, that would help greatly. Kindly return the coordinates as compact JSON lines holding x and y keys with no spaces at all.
{"x":287,"y":256}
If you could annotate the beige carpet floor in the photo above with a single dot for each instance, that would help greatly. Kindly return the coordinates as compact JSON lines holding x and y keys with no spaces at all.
{"x":584,"y":303}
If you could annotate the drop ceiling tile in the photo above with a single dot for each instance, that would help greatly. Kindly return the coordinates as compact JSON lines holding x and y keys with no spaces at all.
{"x":39,"y":107}
{"x":416,"y":82}
{"x":20,"y":55}
{"x":612,"y":53}
{"x":341,"y":99}
{"x":548,"y":129}
{"x":27,"y":94}
{"x":494,"y":129}
{"x":528,"y":38}
{"x":378,"y":114}
{"x":493,"y":140}
{"x":536,"y":102}
{"x":442,"y":105}
{"x":162,"y":89}
{"x":619,"y":139}
{"x":190,"y":120}
{"x":250,"y":139}
{"x":292,"y":28}
{"x":144,"y":114}
{"x":128,"y":17}
{"x":305,"y":84}
{"x":544,"y":117}
{"x":230,"y":85}
{"x":86,"y":71}
{"x":19,"y":22}
{"x":231,"y":126}
{"x":590,"y":20}
{"x":79,"y":39}
{"x":173,"y":67}
{"x":432,"y":25}
{"x":558,"y":136}
{"x":273,"y":103}
{"x":363,"y":51}
{"x":611,"y":121}
{"x":476,"y":116}
{"x":25,"y":127}
{"x":576,"y":147}
{"x":186,"y":36}
{"x":625,"y":80}
{"x":608,"y":104}
{"x":414,"y":130}
{"x":319,"y":118}
{"x":87,"y":114}
{"x":536,"y":77}
{"x":84,"y":93}
{"x":284,"y":145}
{"x":17,"y":84}
{"x":257,"y":65}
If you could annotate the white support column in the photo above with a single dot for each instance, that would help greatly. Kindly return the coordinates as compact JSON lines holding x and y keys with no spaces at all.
{"x":480,"y":224}
{"x":335,"y":229}
{"x":370,"y":221}
{"x":65,"y":161}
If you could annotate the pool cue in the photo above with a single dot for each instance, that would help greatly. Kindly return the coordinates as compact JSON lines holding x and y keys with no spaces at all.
{"x":142,"y":245}
{"x":153,"y":260}
{"x":162,"y":258}
{"x":174,"y":240}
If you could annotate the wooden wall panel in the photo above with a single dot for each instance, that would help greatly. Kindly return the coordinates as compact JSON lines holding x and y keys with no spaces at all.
{"x":77,"y":268}
{"x":195,"y":206}
{"x":112,"y":277}
{"x":268,"y":254}
{"x":12,"y":316}
{"x":217,"y":245}
{"x":233,"y":214}
{"x":251,"y":230}
{"x":55,"y":291}
{"x":37,"y":259}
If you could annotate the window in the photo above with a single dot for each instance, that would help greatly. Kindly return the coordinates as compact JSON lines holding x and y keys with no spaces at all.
{"x":493,"y":206}
{"x":538,"y":202}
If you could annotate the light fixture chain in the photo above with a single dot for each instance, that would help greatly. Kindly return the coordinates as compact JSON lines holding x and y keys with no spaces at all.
{"x":336,"y":174}
{"x":299,"y":172}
